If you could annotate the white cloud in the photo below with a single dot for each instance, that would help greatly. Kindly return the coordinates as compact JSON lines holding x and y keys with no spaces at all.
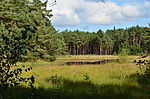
{"x":64,"y":13}
{"x":147,"y":4}
{"x":132,"y":12}
{"x":66,"y":18}
{"x":73,"y":12}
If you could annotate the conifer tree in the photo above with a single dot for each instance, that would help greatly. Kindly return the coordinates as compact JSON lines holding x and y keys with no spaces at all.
{"x":24,"y":28}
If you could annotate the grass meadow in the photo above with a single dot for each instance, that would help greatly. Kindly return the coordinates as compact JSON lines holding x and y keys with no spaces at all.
{"x":56,"y":80}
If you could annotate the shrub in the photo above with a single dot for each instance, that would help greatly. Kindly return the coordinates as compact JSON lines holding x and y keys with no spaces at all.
{"x":144,"y":73}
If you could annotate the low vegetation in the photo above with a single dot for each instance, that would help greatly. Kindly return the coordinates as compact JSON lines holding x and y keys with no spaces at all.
{"x":60,"y":81}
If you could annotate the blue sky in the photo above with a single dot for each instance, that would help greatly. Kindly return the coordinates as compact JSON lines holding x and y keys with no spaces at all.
{"x":91,"y":15}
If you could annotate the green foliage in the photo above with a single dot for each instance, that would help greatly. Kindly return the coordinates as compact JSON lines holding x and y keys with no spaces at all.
{"x":11,"y":50}
{"x":79,"y":42}
{"x":135,"y":50}
{"x":100,"y":33}
{"x":135,"y":39}
{"x":57,"y":81}
{"x":28,"y":22}
{"x":144,"y":73}
{"x":86,"y":77}
{"x":20,"y":25}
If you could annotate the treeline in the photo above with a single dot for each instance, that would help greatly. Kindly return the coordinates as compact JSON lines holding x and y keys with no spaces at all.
{"x":135,"y":40}
{"x":26,"y":34}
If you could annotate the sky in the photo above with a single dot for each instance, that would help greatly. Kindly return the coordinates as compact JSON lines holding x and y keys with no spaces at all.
{"x":92,"y":15}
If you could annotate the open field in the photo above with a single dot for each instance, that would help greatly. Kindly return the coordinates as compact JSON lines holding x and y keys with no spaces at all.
{"x":105,"y":81}
{"x":61,"y":60}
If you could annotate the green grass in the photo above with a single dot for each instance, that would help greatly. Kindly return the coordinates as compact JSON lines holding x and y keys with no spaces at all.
{"x":105,"y":81}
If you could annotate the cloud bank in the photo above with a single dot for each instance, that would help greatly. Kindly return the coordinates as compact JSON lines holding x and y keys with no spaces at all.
{"x":74,"y":12}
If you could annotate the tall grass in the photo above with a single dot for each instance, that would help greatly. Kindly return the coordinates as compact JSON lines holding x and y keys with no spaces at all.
{"x":59,"y":81}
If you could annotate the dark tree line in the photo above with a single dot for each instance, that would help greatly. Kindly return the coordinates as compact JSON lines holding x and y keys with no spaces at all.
{"x":135,"y":39}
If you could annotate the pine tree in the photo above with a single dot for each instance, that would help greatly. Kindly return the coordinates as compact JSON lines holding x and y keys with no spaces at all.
{"x":21,"y":24}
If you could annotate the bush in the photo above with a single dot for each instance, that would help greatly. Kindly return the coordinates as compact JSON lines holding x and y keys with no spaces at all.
{"x":144,"y":73}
